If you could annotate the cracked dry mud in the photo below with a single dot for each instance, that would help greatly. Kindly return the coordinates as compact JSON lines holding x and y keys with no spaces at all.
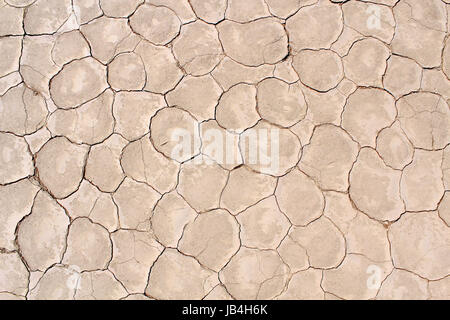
{"x":94,"y":204}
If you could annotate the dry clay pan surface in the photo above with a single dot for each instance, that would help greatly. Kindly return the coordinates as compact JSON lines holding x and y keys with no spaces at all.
{"x":224,"y":149}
